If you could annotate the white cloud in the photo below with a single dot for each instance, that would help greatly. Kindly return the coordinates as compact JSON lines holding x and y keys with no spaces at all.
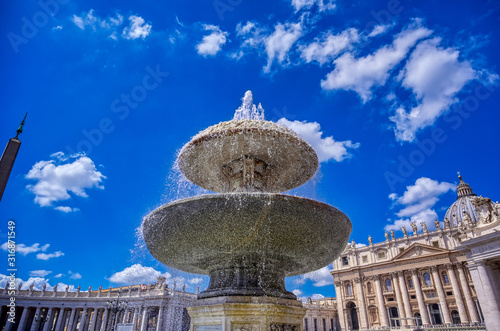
{"x":74,"y":275}
{"x":111,"y":25}
{"x":435,"y":75}
{"x":252,"y":33}
{"x":297,"y":292}
{"x":320,"y":278}
{"x":95,"y":22}
{"x":317,"y":296}
{"x":326,"y":148}
{"x":307,"y":4}
{"x":137,"y":274}
{"x":39,"y":273}
{"x":56,"y":179}
{"x":195,"y":281}
{"x":43,"y":256}
{"x":66,"y":209}
{"x":138,"y":28}
{"x":362,"y":74}
{"x":61,"y":287}
{"x":278,"y":43}
{"x":329,"y":46}
{"x":24,"y":250}
{"x":417,"y":202}
{"x":58,"y":275}
{"x":37,"y":283}
{"x":211,"y":44}
{"x":380,"y":29}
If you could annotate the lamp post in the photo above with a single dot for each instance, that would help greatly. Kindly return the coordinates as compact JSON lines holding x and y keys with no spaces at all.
{"x":116,"y":307}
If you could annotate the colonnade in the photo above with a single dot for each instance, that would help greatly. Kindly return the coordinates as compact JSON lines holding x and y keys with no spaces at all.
{"x":79,"y":318}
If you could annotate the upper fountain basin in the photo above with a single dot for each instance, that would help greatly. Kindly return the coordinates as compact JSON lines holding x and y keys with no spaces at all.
{"x":284,"y":233}
{"x":248,"y":156}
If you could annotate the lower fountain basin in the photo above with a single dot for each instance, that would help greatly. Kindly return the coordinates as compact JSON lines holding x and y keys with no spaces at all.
{"x":246,"y":242}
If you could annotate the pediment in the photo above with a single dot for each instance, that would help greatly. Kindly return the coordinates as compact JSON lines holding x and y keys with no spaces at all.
{"x":419,"y":250}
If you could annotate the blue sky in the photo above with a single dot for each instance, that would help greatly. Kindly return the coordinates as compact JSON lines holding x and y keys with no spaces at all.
{"x":395,"y":96}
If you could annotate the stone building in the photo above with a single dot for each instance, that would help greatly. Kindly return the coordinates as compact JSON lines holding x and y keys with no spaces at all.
{"x":448,"y":276}
{"x":321,"y":315}
{"x":147,"y":307}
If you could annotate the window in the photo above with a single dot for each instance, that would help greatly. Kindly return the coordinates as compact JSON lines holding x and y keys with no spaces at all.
{"x":306,"y":328}
{"x":369,"y":288}
{"x":427,"y":279}
{"x":410,"y":282}
{"x":345,"y":261}
{"x":390,"y":299}
{"x":315,"y":325}
{"x":445,"y":278}
{"x":331,"y":324}
{"x":365,"y":258}
{"x":449,"y":294}
{"x":381,"y":255}
{"x":349,"y":290}
{"x":413,"y":297}
{"x":388,"y":284}
{"x":435,"y":243}
{"x":324,"y":324}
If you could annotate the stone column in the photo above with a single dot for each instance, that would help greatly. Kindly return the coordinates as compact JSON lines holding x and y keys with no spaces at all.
{"x":60,"y":320}
{"x":467,"y":294}
{"x":406,"y":298}
{"x":160,"y":319}
{"x":124,"y":319}
{"x":340,"y":304}
{"x":420,"y":297}
{"x":134,"y":317}
{"x":445,"y":312}
{"x":24,"y":319}
{"x":401,"y":309}
{"x":72,"y":320}
{"x":47,"y":325}
{"x":35,"y":323}
{"x":104,"y":319}
{"x":431,"y":317}
{"x":479,"y":310}
{"x":93,"y":322}
{"x":84,"y":320}
{"x":384,"y":320}
{"x":361,"y":302}
{"x":144,"y":322}
{"x":458,"y":295}
{"x":491,"y":309}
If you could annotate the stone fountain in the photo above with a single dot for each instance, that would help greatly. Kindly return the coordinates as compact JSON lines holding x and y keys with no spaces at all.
{"x":249,"y":237}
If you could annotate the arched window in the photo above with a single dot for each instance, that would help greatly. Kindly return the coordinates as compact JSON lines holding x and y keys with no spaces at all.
{"x":388,"y":284}
{"x":455,"y":317}
{"x":427,"y":279}
{"x":445,"y":278}
{"x":349,"y":290}
{"x":369,"y":288}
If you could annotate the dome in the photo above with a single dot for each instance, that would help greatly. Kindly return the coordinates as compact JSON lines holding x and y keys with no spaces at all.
{"x":463,"y":206}
{"x":469,"y":208}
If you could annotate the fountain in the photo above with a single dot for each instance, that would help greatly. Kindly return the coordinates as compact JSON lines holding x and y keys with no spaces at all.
{"x":249,"y":237}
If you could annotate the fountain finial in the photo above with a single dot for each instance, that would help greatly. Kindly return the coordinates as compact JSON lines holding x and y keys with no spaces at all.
{"x":248,"y":110}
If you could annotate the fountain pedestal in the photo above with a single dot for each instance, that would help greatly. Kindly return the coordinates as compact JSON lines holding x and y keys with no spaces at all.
{"x":246,"y":313}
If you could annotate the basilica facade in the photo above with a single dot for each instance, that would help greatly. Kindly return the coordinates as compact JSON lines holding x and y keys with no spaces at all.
{"x":447,"y":276}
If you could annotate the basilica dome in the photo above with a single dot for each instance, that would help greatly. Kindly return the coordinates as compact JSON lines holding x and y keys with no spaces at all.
{"x":464,"y":205}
